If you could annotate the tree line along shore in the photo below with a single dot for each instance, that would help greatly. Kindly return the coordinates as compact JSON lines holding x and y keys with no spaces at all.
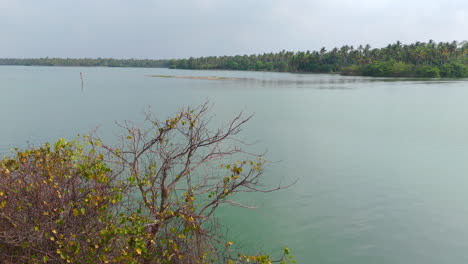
{"x":419,"y":59}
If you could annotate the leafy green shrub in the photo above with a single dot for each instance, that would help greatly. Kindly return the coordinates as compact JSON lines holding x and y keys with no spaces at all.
{"x":150,"y":200}
{"x":428,"y":71}
{"x":351,"y":70}
{"x":454,"y":70}
{"x":54,"y":203}
{"x":378,"y":69}
{"x":401,"y":69}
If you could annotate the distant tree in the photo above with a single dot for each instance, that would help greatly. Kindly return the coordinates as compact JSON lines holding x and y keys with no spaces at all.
{"x":415,"y":56}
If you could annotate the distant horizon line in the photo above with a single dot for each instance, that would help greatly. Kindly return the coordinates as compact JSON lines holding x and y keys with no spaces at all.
{"x":206,"y":56}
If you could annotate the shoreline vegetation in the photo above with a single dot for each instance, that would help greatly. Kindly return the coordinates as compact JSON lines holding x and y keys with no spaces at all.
{"x":419,"y":59}
{"x":86,"y":62}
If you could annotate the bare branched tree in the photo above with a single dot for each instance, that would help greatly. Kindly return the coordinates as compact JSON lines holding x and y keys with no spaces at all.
{"x":179,"y":171}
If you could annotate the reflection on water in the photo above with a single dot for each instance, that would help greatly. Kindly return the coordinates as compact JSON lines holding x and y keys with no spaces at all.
{"x":316,"y":81}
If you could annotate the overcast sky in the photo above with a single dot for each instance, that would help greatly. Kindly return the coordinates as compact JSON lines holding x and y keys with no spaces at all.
{"x":184,"y":28}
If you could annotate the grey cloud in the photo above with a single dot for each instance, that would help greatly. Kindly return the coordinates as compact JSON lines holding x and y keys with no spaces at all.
{"x":183,"y":28}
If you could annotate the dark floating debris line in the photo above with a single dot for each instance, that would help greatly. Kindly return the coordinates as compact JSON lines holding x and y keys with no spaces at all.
{"x":200,"y":77}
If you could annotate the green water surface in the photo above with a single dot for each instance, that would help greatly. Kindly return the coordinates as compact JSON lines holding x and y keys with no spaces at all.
{"x":381,"y":164}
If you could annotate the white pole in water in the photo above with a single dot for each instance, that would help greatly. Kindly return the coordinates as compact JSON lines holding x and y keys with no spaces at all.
{"x":82,"y":83}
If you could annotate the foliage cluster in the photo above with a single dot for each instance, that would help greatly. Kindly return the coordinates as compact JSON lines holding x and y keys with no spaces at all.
{"x":419,"y":59}
{"x":54,"y":203}
{"x":444,"y":59}
{"x":87,"y":62}
{"x":401,"y":69}
{"x":149,"y":200}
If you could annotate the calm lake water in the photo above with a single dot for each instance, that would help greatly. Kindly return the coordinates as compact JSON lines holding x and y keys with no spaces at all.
{"x":381,"y":164}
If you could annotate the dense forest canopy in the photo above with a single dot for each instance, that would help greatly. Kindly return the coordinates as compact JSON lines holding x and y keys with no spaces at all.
{"x":444,"y":59}
{"x":420,"y":59}
{"x":103,"y":62}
